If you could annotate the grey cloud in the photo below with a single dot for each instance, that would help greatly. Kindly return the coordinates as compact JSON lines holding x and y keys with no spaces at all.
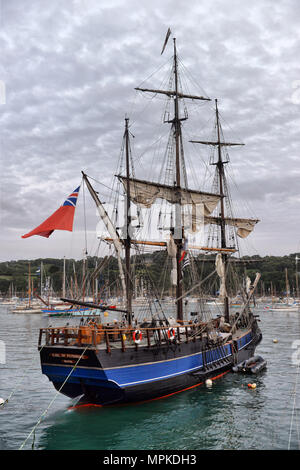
{"x":70,"y":69}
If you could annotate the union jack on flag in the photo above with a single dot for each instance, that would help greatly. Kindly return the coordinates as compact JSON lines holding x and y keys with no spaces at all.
{"x":72,"y":199}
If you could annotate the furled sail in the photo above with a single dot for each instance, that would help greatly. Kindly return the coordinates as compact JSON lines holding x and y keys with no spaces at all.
{"x":244,"y":226}
{"x":145,"y":193}
{"x":220,"y":267}
{"x":172,"y":250}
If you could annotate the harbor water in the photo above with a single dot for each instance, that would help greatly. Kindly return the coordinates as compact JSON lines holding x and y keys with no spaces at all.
{"x":228,"y":415}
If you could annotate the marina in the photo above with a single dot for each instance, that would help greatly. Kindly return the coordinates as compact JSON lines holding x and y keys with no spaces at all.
{"x":196,"y":419}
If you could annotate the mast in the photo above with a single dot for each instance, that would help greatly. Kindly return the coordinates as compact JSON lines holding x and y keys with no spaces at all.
{"x":127,"y":241}
{"x":178,"y":216}
{"x":64,"y":279}
{"x":29,"y":285}
{"x":176,"y":95}
{"x":222,"y":220}
{"x":41,"y":278}
{"x":297,"y":281}
{"x":83,"y":279}
{"x":220,"y":168}
{"x":287,"y":286}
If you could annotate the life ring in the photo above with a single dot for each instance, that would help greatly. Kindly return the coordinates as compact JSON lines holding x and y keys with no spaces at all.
{"x":137,"y":336}
{"x":171,"y":333}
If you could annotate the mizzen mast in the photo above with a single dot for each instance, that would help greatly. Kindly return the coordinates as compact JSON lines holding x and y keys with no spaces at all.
{"x":222,"y":217}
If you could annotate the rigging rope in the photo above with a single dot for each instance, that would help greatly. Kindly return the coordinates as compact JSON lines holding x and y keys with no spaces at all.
{"x":51,"y":403}
{"x":294,"y":406}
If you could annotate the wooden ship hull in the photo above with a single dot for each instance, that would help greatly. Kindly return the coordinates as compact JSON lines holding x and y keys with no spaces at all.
{"x":100,"y":369}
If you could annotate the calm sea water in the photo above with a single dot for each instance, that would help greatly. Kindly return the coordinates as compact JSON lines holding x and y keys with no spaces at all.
{"x":226,"y":416}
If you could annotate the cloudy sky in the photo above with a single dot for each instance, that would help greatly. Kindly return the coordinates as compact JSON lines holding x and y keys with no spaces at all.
{"x":68,"y":70}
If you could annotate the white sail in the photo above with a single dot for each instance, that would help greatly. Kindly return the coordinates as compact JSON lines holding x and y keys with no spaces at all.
{"x":172,"y":250}
{"x":244,"y":226}
{"x":145,"y":193}
{"x":220,"y":267}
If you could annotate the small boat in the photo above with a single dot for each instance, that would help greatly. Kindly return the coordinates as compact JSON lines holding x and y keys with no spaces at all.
{"x":66,"y":312}
{"x":253,"y":365}
{"x":26,"y":309}
{"x":282,"y":307}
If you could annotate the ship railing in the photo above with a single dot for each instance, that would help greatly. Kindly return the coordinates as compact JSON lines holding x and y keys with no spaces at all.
{"x":99,"y":336}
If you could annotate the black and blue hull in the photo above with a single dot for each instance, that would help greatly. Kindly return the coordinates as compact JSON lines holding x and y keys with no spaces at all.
{"x":141,"y":374}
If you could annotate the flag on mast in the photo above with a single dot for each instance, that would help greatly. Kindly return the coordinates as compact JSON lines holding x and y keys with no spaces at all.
{"x":61,"y":219}
{"x":166,"y":40}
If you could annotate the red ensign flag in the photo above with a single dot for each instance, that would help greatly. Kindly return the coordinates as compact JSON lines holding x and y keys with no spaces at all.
{"x":62,"y":219}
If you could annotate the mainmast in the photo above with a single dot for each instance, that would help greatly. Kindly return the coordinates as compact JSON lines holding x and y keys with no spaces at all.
{"x":178,"y":233}
{"x":178,"y":215}
{"x":127,"y":240}
{"x":220,"y":166}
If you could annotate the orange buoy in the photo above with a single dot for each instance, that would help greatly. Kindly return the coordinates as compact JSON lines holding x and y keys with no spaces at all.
{"x":252,"y":385}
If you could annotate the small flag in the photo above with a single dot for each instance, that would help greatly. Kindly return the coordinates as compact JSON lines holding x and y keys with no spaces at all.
{"x":62,"y":219}
{"x":184,"y":250}
{"x":186,"y":263}
{"x":166,"y":40}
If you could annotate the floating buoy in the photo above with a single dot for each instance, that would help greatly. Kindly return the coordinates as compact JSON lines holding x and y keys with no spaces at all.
{"x":105,"y":314}
{"x":208,"y":383}
{"x":2,"y":401}
{"x":252,"y":385}
{"x":275,"y":340}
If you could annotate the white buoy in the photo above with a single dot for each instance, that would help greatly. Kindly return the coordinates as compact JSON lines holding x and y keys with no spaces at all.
{"x":252,"y":385}
{"x":208,"y":383}
{"x":2,"y":401}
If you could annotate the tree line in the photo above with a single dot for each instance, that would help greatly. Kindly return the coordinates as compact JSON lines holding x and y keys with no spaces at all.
{"x":150,"y":270}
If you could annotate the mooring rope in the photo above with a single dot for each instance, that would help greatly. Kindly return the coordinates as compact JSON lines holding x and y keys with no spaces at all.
{"x":294,"y":407}
{"x":21,"y":377}
{"x":50,"y":404}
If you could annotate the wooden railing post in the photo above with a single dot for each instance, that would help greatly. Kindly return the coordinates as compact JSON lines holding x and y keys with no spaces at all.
{"x":148,"y":338}
{"x":108,"y":350}
{"x":79,"y":336}
{"x":122,"y":340}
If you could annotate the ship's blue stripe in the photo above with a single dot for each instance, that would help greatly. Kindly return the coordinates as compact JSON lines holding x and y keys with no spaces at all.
{"x":244,"y":341}
{"x":126,"y":376}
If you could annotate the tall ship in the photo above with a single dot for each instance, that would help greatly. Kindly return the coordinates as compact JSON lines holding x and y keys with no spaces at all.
{"x":163,"y":349}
